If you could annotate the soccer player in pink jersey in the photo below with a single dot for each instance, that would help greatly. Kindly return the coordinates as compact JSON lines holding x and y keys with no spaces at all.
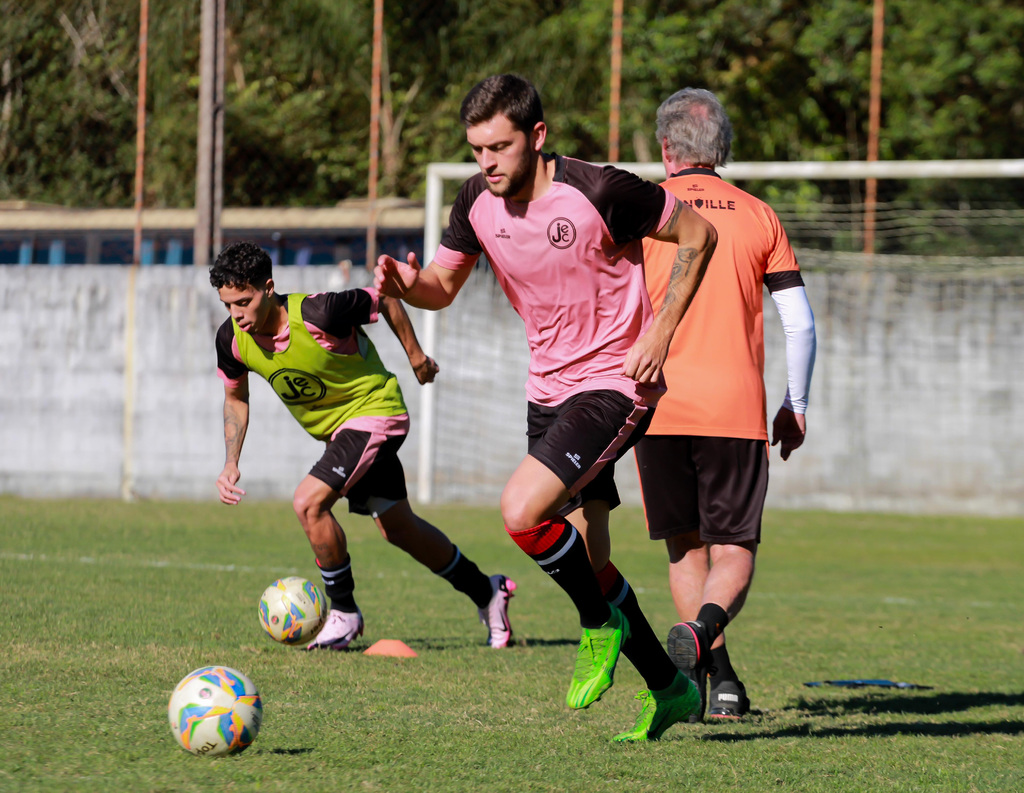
{"x":564,"y":239}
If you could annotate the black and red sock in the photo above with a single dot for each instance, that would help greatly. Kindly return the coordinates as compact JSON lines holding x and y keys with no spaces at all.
{"x":643,"y":648}
{"x":559,"y":550}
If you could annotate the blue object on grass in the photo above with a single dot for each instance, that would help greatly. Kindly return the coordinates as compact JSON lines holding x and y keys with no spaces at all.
{"x":862,"y":683}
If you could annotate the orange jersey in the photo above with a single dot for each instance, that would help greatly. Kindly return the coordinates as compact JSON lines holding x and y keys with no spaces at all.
{"x":715,"y":366}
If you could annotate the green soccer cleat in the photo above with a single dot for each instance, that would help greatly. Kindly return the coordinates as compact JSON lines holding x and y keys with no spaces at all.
{"x":662,"y":709}
{"x":595,"y":660}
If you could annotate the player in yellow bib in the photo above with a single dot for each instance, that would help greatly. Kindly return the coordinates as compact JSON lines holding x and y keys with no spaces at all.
{"x":313,"y":352}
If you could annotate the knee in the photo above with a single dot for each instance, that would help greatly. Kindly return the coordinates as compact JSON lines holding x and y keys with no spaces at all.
{"x":738,"y":557}
{"x":307,"y":505}
{"x":516,"y":513}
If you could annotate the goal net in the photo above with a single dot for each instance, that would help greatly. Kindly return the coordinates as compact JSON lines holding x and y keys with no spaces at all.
{"x":919,"y":344}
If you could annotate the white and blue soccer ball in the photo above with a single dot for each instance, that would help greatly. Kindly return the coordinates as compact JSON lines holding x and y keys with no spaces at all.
{"x":215,"y":710}
{"x":293,"y":610}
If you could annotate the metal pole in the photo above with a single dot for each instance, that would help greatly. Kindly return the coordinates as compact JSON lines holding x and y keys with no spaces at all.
{"x":378,"y":39}
{"x":616,"y":82}
{"x":140,"y":129}
{"x":217,"y":237}
{"x":874,"y":122}
{"x":204,"y":137}
{"x":128,"y":406}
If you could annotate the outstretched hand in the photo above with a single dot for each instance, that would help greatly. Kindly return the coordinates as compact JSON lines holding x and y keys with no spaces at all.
{"x":788,"y":429}
{"x":394,"y":278}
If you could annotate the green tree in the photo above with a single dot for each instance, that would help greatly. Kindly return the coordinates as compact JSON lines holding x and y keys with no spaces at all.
{"x":68,"y":102}
{"x":793,"y":74}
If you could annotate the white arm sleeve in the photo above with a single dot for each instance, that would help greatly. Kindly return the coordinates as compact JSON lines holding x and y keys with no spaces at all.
{"x":801,"y":344}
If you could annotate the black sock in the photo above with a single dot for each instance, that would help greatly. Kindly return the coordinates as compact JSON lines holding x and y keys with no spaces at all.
{"x":340,"y":586}
{"x":559,"y":549}
{"x":714,"y":618}
{"x":721,"y":667}
{"x":643,"y":648}
{"x":466,"y":577}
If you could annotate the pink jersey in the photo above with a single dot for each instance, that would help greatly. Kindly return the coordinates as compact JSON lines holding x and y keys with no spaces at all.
{"x":571,"y":265}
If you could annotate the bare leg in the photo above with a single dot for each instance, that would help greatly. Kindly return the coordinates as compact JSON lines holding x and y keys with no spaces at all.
{"x":728,"y":580}
{"x":700,"y":574}
{"x":312,"y":503}
{"x":532,"y":495}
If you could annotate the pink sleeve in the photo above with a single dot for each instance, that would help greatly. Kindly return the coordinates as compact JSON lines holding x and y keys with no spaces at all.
{"x":228,"y":382}
{"x":667,"y":210}
{"x":232,"y":382}
{"x":453,"y":260}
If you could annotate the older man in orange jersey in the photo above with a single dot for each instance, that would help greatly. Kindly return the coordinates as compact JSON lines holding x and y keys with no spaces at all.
{"x":704,"y":461}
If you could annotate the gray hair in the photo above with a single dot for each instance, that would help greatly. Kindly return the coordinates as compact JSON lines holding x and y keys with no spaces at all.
{"x":695,"y":128}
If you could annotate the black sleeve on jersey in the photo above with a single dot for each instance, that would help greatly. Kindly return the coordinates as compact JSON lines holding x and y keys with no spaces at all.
{"x":460,"y":236}
{"x":226,"y":362}
{"x":786,"y":279}
{"x":338,"y":313}
{"x":631,"y":206}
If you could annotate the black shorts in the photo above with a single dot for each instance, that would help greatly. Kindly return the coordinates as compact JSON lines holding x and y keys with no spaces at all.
{"x":715,"y":485}
{"x":580,"y":440}
{"x":363,"y":466}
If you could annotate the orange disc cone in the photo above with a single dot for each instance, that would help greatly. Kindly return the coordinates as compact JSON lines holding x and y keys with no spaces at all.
{"x":392,"y":647}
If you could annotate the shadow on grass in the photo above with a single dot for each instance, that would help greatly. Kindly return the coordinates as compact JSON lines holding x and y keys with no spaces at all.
{"x":304,"y":750}
{"x":930,"y":704}
{"x":552,"y":642}
{"x":459,"y":643}
{"x":862,"y":706}
{"x":948,"y":730}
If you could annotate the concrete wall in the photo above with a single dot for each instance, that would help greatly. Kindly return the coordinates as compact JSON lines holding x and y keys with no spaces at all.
{"x":917,"y":397}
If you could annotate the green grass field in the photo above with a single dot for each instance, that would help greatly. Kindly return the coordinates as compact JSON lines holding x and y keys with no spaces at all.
{"x":105,"y":606}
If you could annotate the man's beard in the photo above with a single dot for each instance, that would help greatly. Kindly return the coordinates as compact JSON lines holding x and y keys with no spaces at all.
{"x":517,"y":180}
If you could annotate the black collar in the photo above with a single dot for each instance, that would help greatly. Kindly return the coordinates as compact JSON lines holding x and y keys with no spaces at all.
{"x":691,"y":171}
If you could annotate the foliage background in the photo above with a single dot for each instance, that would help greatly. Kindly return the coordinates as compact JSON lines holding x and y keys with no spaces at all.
{"x":794,"y":75}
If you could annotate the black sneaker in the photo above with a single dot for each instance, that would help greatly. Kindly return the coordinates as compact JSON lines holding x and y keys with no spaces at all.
{"x":728,"y":700}
{"x":699,"y":679}
{"x":688,"y":646}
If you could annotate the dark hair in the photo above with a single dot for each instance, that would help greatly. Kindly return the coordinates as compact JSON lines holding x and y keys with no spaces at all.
{"x":241,"y":264}
{"x":508,"y":95}
{"x":695,"y":127}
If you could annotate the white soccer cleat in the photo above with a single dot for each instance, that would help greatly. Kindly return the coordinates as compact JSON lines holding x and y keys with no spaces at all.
{"x":340,"y":630}
{"x":495,"y":616}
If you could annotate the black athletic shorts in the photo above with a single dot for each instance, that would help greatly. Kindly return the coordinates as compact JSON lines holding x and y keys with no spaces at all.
{"x":715,"y":485}
{"x":580,"y":440}
{"x":363,"y":466}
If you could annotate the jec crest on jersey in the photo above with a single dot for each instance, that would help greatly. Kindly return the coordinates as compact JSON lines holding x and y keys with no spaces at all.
{"x":561,"y":233}
{"x":296,"y":387}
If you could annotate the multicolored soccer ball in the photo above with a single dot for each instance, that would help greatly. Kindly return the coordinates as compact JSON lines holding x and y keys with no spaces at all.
{"x":214,"y":711}
{"x":292,"y":610}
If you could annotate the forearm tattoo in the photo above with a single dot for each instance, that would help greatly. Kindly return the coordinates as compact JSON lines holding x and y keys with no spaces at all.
{"x":681,"y":267}
{"x":234,"y":433}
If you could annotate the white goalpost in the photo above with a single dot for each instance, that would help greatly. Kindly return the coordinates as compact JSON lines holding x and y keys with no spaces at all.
{"x":441,"y":174}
